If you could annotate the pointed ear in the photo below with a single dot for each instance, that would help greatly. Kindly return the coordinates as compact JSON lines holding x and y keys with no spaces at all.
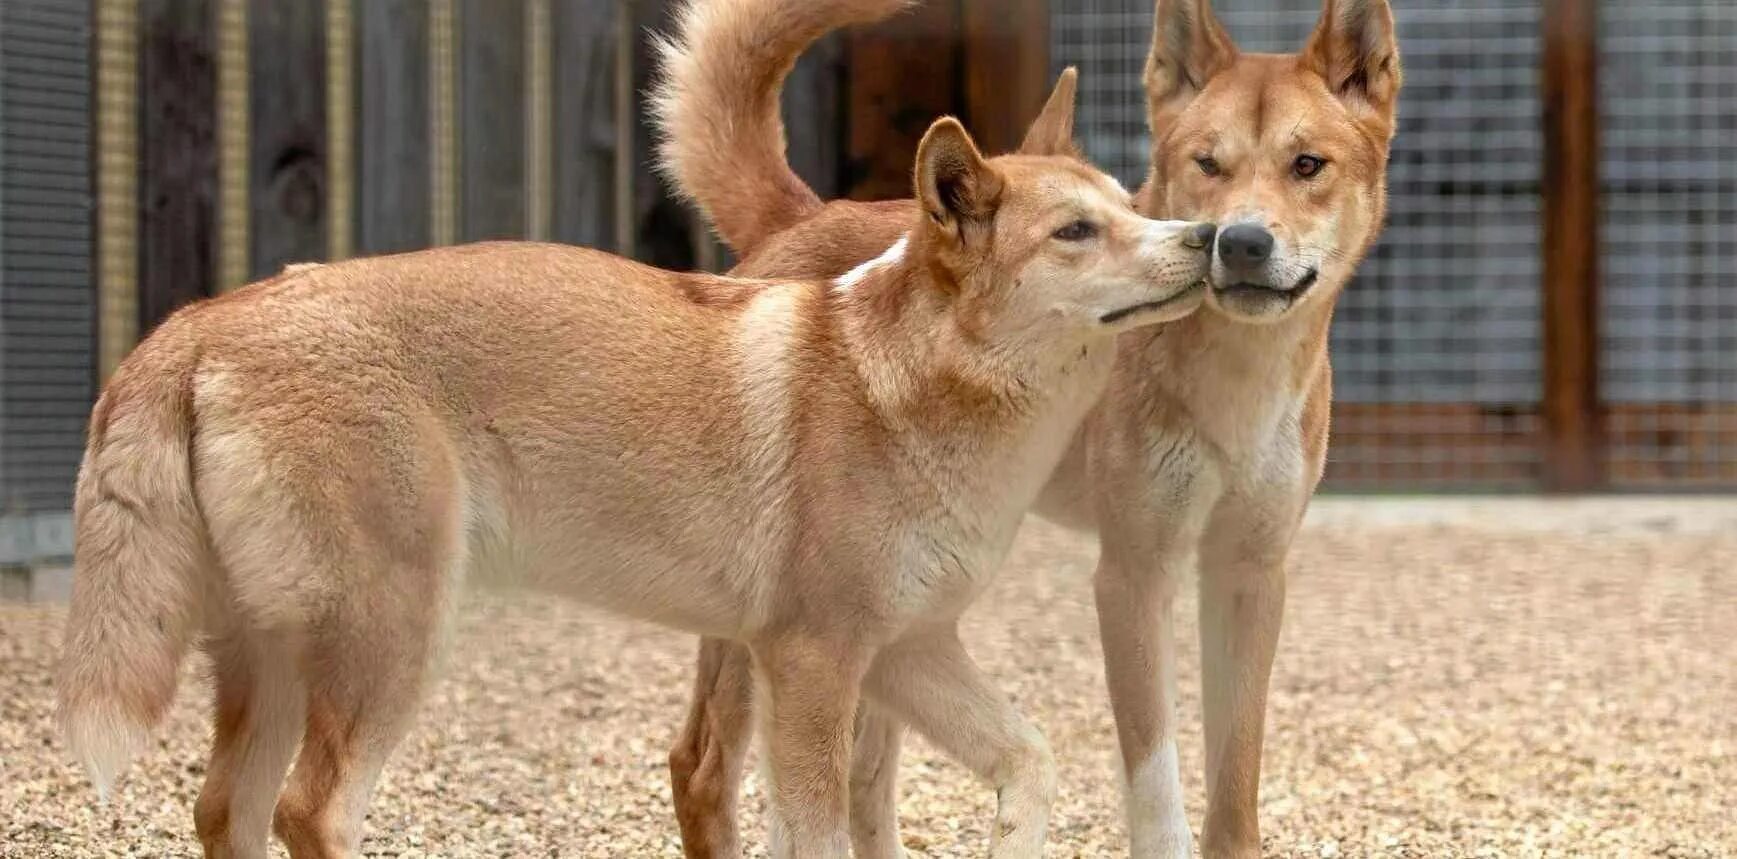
{"x":1189,"y":46}
{"x":1052,"y":133}
{"x":955,"y":184}
{"x":1355,"y":50}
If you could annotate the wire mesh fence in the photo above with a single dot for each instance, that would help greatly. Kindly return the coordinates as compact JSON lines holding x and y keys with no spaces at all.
{"x":1668,"y":86}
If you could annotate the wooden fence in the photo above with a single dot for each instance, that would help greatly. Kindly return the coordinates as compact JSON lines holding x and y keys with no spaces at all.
{"x":222,"y":139}
{"x":272,"y":131}
{"x":241,"y":135}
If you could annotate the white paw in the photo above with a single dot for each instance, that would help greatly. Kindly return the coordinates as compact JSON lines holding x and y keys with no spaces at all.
{"x":1157,"y":822}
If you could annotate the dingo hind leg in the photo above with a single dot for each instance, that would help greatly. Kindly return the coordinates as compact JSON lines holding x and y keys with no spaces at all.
{"x":366,"y":665}
{"x":350,"y":550}
{"x":257,"y":724}
{"x":874,"y":785}
{"x":706,"y":761}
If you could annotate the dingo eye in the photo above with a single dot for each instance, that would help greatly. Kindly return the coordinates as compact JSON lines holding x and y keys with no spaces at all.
{"x":1078,"y":231}
{"x":1307,"y":166}
{"x":1208,"y":165}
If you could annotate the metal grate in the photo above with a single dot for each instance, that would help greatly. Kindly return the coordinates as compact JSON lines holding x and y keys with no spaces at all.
{"x":47,"y":303}
{"x":46,"y":295}
{"x":1668,"y":88}
{"x":1436,"y":344}
{"x":1107,"y":40}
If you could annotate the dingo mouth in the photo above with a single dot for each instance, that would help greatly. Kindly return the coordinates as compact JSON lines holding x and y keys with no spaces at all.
{"x":1261,"y":290}
{"x":1119,"y":315}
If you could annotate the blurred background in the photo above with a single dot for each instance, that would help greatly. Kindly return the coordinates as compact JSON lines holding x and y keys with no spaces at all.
{"x":1553,"y":306}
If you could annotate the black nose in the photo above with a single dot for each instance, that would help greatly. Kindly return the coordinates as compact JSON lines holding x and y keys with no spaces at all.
{"x":1244,"y":244}
{"x":1199,"y":236}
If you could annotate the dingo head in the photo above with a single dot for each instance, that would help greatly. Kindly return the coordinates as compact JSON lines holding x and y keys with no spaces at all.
{"x":1286,"y":152}
{"x":1038,"y":245}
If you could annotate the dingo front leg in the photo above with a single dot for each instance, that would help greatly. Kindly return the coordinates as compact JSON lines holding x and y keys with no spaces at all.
{"x":1242,"y":602}
{"x":1147,"y":544}
{"x":706,"y":763}
{"x":1135,"y":620}
{"x":932,"y":683}
{"x":808,"y":687}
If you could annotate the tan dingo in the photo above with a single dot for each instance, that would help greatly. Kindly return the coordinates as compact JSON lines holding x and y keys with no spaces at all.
{"x":1211,"y":437}
{"x":301,"y":474}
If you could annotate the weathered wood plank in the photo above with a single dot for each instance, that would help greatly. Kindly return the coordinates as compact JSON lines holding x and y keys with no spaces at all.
{"x":1005,"y":58}
{"x":287,"y":140}
{"x":1465,"y":445}
{"x":663,"y":225}
{"x":584,"y":121}
{"x":814,"y":116}
{"x":491,"y":37}
{"x":903,"y":74}
{"x":1671,"y":445}
{"x":393,"y":206}
{"x":177,"y":164}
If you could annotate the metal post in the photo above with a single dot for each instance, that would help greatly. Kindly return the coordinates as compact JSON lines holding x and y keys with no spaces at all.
{"x":1572,"y":452}
{"x":117,"y":181}
{"x":539,"y":122}
{"x":232,"y":144}
{"x":340,"y":134}
{"x":442,"y":125}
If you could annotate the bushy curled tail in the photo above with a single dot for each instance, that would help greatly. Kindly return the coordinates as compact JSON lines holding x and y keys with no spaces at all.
{"x":717,"y":107}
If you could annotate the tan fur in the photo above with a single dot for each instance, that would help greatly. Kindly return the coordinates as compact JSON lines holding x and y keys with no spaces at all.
{"x":739,"y":53}
{"x":1213,"y":432}
{"x":308,"y":469}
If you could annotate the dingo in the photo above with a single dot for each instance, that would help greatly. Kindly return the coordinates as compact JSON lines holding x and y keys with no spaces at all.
{"x":302,"y":473}
{"x":1212,"y":435}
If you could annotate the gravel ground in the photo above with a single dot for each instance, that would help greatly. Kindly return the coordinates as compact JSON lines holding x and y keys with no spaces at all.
{"x":1456,"y":679}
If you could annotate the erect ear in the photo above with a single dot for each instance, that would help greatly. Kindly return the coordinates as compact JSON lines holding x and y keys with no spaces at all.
{"x":954,"y":183}
{"x":1189,"y":46}
{"x":1052,"y":133}
{"x":1355,"y":50}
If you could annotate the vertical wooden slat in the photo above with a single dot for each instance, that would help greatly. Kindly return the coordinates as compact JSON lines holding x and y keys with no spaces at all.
{"x":1572,"y":432}
{"x":340,"y":131}
{"x":665,"y":227}
{"x":233,"y":131}
{"x":393,"y":199}
{"x":177,"y":156}
{"x":814,"y":116}
{"x":626,"y":120}
{"x":538,"y":119}
{"x":708,"y":255}
{"x":491,"y":129}
{"x":288,"y":189}
{"x":583,"y":161}
{"x":903,"y":74}
{"x":443,"y":51}
{"x":117,"y":169}
{"x":1005,"y":53}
